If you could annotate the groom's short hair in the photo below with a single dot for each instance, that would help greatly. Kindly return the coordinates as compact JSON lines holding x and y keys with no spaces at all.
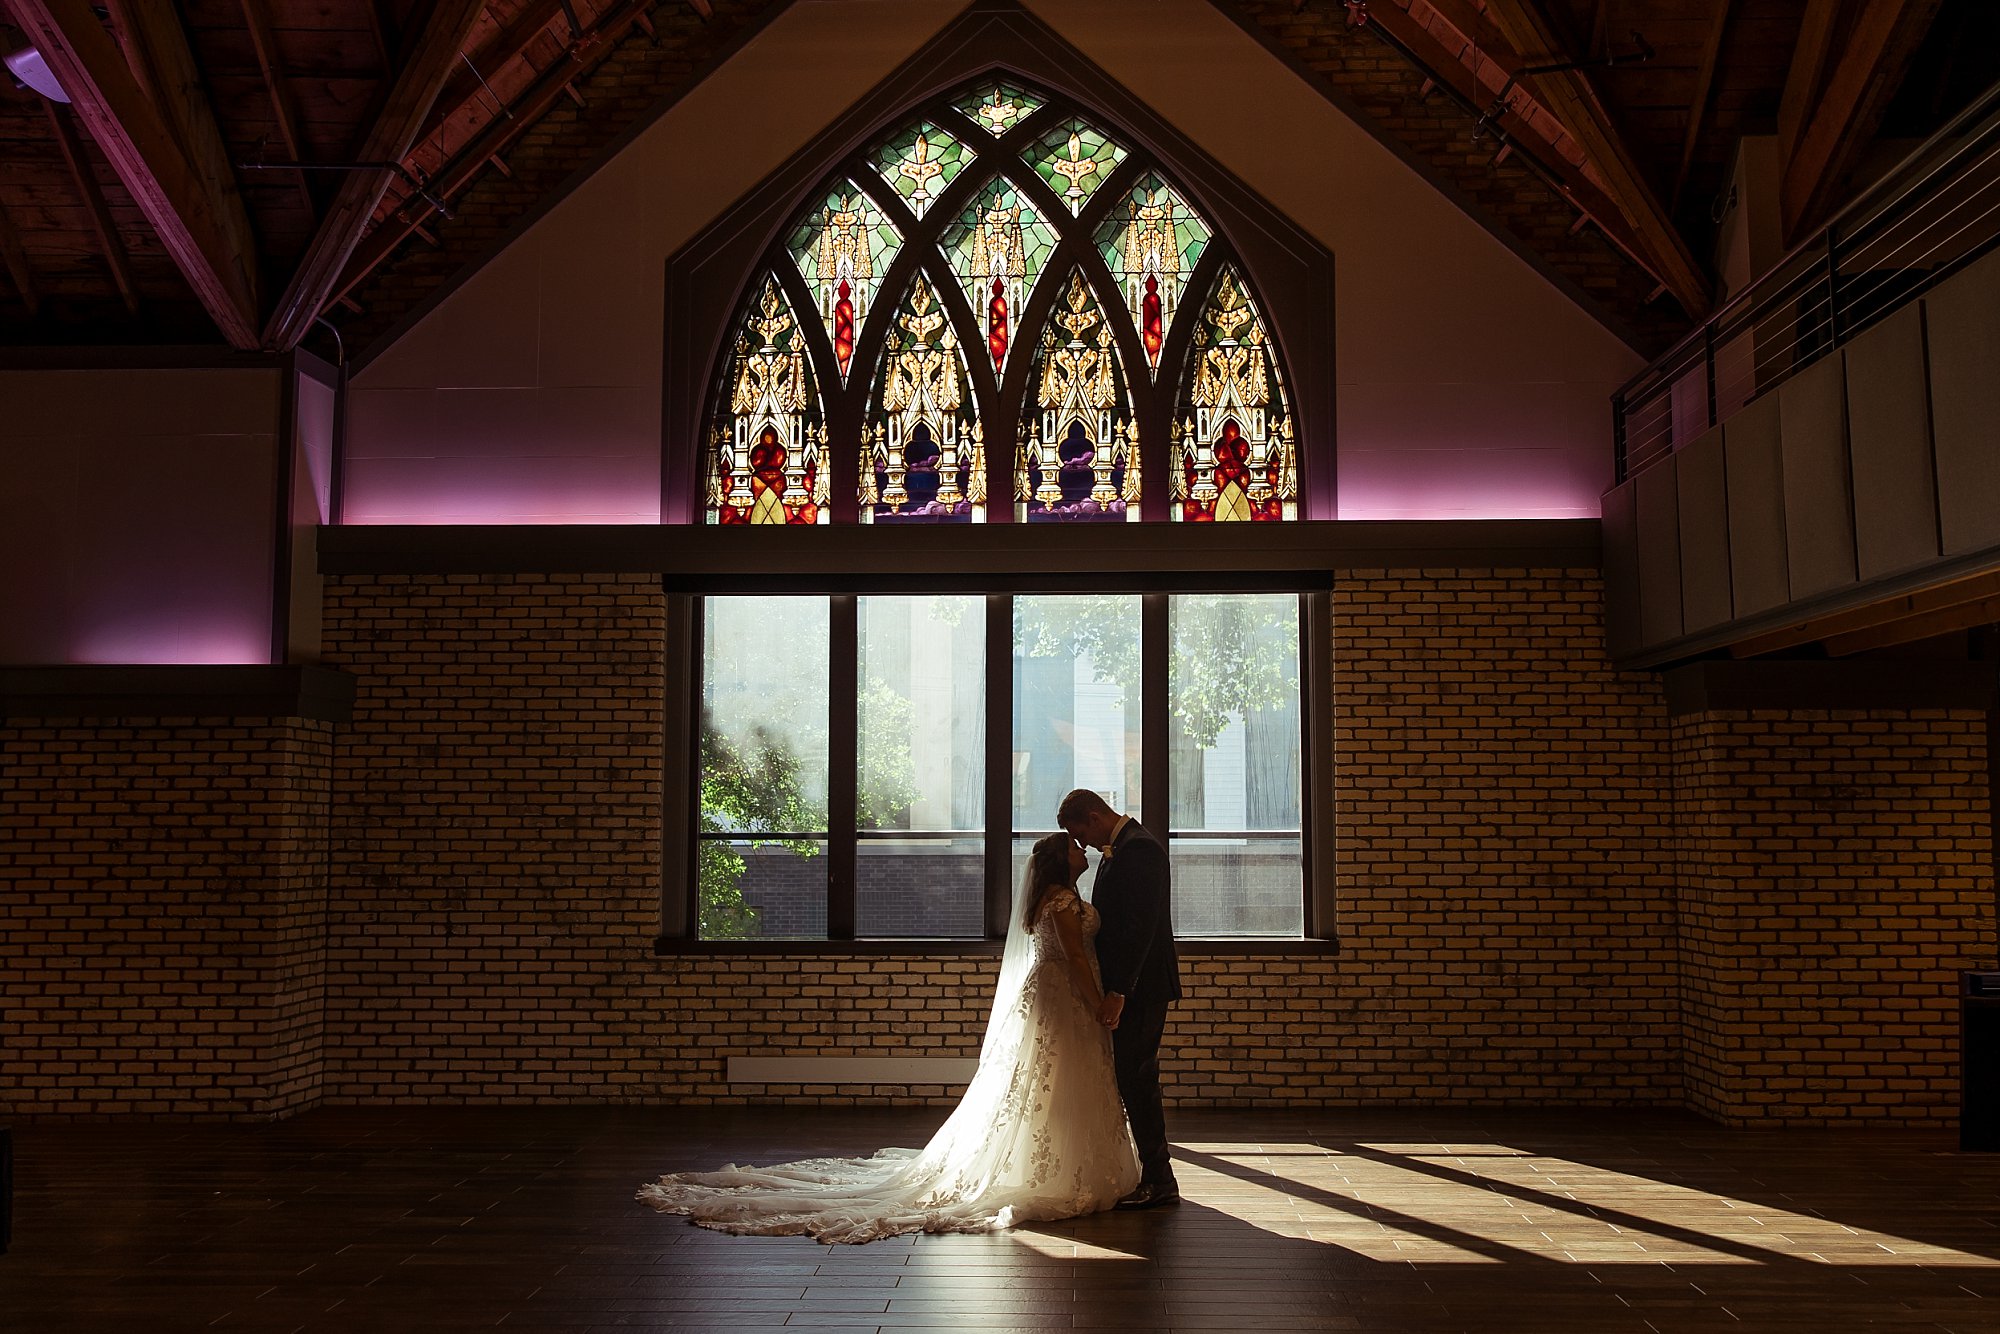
{"x":1080,"y":805}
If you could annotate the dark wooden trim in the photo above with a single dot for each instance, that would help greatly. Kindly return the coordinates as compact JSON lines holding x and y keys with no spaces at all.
{"x":1710,"y":687}
{"x":680,"y":764}
{"x":999,"y":764}
{"x":1288,"y":269}
{"x":176,"y":692}
{"x":1318,"y":663}
{"x":967,"y":557}
{"x":1156,"y":716}
{"x":672,"y":947}
{"x":843,"y":757}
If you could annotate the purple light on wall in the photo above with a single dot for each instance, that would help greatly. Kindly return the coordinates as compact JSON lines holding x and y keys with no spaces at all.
{"x":385,"y":491}
{"x":200,"y":643}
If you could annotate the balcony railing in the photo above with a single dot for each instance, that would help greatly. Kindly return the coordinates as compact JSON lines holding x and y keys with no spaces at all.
{"x":1935,"y":213}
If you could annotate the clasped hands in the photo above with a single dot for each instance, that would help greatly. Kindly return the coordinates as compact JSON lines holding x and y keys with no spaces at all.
{"x":1110,"y":1008}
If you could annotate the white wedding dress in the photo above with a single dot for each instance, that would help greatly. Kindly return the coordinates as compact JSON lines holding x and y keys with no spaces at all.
{"x":1040,"y":1133}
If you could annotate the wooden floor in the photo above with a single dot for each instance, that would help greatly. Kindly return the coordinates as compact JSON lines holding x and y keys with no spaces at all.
{"x":384,"y":1220}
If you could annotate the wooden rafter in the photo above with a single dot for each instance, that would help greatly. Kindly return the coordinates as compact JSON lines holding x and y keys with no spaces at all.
{"x":284,"y":106}
{"x":1704,"y":87}
{"x":200,"y":224}
{"x":417,"y":85}
{"x":1881,"y":41}
{"x":1570,"y":95}
{"x":464,"y":87}
{"x":85,"y":177}
{"x":1806,"y":75}
{"x":1591,"y":202}
{"x":703,"y":8}
{"x":16,"y":261}
{"x":491,"y":141}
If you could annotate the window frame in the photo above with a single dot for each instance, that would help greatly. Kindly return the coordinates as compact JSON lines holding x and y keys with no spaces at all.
{"x":681,"y":790}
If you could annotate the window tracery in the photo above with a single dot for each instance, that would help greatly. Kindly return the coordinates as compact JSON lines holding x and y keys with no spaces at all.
{"x":961,"y":210}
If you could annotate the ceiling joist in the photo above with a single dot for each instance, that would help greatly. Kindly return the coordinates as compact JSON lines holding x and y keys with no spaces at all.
{"x":1880,"y":45}
{"x":432,"y":55}
{"x":284,"y":105}
{"x":1704,"y":87}
{"x":18,"y":269}
{"x":199,"y":221}
{"x":92,"y":195}
{"x":1568,"y":93}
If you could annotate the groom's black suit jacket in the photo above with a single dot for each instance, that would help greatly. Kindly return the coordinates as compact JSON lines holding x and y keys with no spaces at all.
{"x":1133,"y":895}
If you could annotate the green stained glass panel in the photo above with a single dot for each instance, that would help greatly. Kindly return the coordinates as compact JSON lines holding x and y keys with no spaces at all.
{"x":919,"y":162}
{"x":1152,"y":240}
{"x":1075,"y":159}
{"x":998,"y":106}
{"x":843,"y":246}
{"x":998,"y":248}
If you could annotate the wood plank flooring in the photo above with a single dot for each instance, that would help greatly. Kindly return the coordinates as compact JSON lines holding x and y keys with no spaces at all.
{"x":523,"y":1219}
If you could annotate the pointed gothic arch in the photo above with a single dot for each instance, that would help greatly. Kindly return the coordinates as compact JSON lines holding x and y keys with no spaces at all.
{"x":1285,"y":274}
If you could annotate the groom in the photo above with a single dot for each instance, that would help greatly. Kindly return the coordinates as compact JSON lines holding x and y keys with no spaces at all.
{"x":1135,"y":954}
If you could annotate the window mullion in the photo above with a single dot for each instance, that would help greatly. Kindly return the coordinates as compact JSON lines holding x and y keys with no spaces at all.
{"x":843,"y":762}
{"x":999,"y":763}
{"x":1155,"y":715}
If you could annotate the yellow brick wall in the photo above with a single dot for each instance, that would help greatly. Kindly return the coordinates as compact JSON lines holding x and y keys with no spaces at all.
{"x":1549,"y":892}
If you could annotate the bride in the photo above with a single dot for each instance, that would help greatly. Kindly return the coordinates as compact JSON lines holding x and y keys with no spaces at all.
{"x":1040,"y":1133}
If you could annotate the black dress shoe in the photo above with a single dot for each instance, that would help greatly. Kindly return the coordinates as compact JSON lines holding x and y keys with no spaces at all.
{"x":1151,"y":1196}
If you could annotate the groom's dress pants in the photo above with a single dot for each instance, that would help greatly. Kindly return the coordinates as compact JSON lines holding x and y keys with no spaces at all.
{"x":1135,"y":1052}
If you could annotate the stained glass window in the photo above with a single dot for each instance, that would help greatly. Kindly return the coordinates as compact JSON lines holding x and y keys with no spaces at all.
{"x":923,"y":453}
{"x":767,"y":460}
{"x":920,"y":161}
{"x":1234,"y":457}
{"x":843,"y":247}
{"x":1075,"y":158}
{"x":1078,"y":453}
{"x":1152,"y":241}
{"x":998,"y":248}
{"x":999,"y":106}
{"x":995,"y":181}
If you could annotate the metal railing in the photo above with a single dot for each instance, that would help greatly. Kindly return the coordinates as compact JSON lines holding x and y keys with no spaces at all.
{"x":1933,"y":214}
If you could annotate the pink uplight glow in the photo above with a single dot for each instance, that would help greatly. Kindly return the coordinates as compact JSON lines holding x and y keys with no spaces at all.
{"x":501,"y":490}
{"x":218,"y":643}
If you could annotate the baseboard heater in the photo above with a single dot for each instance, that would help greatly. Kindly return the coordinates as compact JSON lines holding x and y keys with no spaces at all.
{"x":851,"y":1069}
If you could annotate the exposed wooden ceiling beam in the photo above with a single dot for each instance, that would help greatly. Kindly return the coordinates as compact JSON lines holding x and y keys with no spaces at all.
{"x":1571,"y":97}
{"x":157,"y":51}
{"x":16,"y":261}
{"x":284,"y":106}
{"x":189,"y":210}
{"x":492,"y":140}
{"x":1881,"y":42}
{"x":85,"y":177}
{"x":703,"y":8}
{"x":1704,"y":86}
{"x":1915,"y":629}
{"x":1405,"y":30}
{"x":464,"y":87}
{"x":415,"y":92}
{"x":1806,"y":75}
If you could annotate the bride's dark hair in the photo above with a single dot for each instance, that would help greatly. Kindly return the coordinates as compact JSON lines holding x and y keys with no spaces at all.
{"x":1048,"y":864}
